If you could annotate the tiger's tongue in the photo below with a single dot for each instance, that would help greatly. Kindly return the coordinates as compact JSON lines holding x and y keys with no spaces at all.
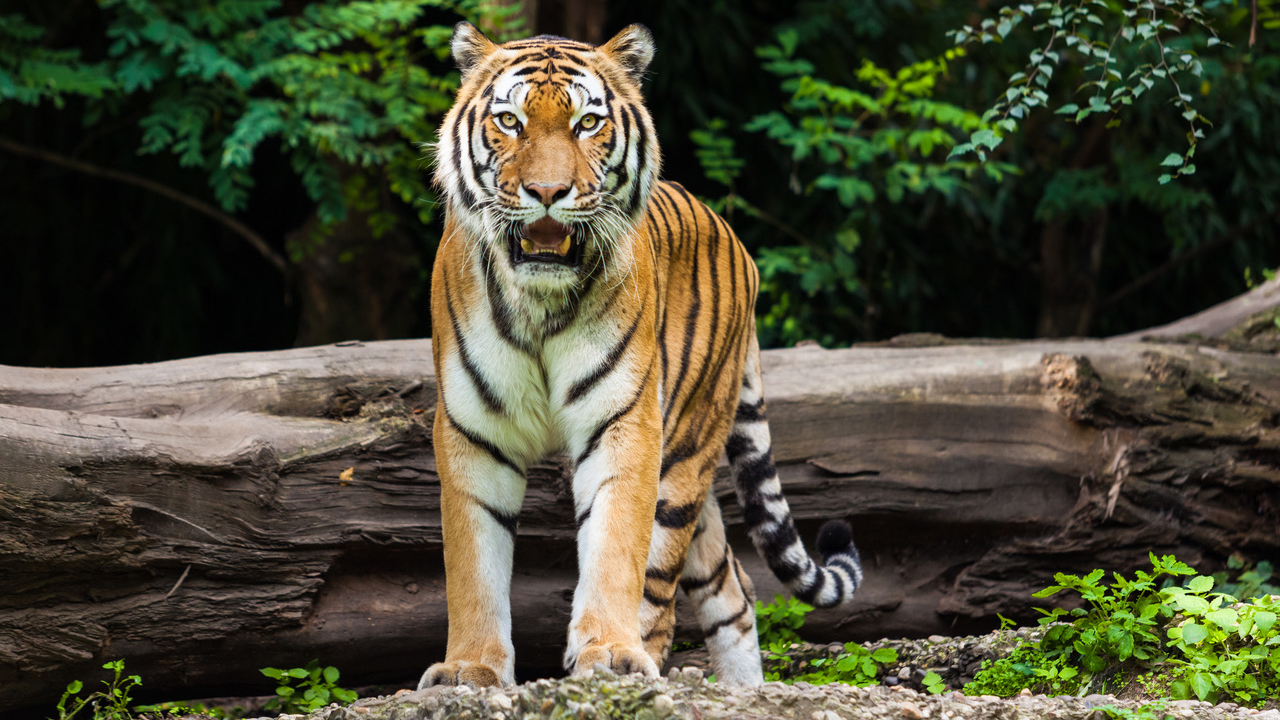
{"x":546,"y":235}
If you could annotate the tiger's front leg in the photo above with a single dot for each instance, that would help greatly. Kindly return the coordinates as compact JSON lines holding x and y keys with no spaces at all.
{"x":481,"y":491}
{"x":615,"y":489}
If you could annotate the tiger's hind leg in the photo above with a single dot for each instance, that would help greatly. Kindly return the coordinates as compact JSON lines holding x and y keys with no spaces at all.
{"x":680,"y":498}
{"x":724,"y":600}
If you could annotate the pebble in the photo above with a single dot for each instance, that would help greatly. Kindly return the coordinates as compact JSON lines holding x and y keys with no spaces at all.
{"x":663,"y":705}
{"x":910,"y":710}
{"x":502,"y":701}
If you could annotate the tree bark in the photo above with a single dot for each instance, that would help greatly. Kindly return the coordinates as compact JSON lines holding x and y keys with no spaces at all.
{"x":207,"y":517}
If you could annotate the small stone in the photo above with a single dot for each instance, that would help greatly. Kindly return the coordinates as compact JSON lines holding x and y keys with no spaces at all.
{"x":502,"y":701}
{"x":936,"y":639}
{"x":1268,"y":715}
{"x":673,"y":674}
{"x":587,"y":710}
{"x":663,"y":705}
{"x":1095,"y":699}
{"x":691,"y":674}
{"x":910,"y":710}
{"x":547,"y":705}
{"x":1026,"y":692}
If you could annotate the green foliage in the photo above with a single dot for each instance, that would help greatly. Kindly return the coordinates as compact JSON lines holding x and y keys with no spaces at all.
{"x":1249,"y":582}
{"x":933,"y":683}
{"x":856,"y":665}
{"x":777,"y":622}
{"x":110,"y":703}
{"x":1211,"y":646}
{"x":1124,"y":49}
{"x":308,"y":688}
{"x":340,"y":87}
{"x":1158,"y":710}
{"x":877,"y":142}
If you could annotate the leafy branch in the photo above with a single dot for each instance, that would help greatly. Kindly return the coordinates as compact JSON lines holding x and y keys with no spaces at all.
{"x":1106,"y":40}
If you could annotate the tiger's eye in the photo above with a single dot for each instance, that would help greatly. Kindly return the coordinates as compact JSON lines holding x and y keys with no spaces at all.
{"x":508,"y":120}
{"x":588,"y":122}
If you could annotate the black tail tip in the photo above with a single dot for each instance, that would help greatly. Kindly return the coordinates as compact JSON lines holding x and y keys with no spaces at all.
{"x":835,"y":537}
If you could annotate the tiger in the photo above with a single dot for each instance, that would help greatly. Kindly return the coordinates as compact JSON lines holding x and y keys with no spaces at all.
{"x":582,"y":307}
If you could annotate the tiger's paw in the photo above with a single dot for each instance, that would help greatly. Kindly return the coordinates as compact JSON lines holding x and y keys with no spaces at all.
{"x":459,"y":672}
{"x":618,"y":657}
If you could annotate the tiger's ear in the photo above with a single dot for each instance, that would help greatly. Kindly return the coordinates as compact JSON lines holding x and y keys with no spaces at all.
{"x":469,"y":47}
{"x":632,"y":49}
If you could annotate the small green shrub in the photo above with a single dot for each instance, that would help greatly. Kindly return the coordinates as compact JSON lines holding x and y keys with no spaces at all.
{"x":111,"y":703}
{"x":855,"y":666}
{"x":1208,"y":645}
{"x":777,"y":622}
{"x":304,"y":689}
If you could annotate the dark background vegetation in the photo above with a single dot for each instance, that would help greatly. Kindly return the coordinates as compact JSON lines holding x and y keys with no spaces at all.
{"x":1081,"y":240}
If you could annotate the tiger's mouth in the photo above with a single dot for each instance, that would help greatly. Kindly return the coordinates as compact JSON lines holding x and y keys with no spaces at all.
{"x":547,"y":241}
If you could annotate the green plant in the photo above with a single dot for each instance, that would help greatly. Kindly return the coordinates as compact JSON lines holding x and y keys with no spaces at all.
{"x":1151,"y":711}
{"x":855,"y":666}
{"x":308,"y":688}
{"x":1027,"y":667}
{"x":933,"y":683}
{"x":777,"y":622}
{"x":1121,"y":620}
{"x":1124,"y":49}
{"x":1249,"y":582}
{"x":1224,"y":648}
{"x":111,"y":703}
{"x":1211,"y":646}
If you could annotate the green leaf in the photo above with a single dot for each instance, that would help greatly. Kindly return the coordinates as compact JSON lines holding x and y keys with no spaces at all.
{"x":1193,"y":633}
{"x":885,"y":655}
{"x":1264,"y":620}
{"x":296,"y":672}
{"x":1200,"y":583}
{"x":1067,"y":109}
{"x":331,"y":674}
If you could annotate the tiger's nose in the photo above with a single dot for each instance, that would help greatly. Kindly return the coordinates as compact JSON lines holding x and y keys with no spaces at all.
{"x":547,"y":193}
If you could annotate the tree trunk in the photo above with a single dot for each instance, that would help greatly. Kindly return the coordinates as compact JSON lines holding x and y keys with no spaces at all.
{"x":207,"y":517}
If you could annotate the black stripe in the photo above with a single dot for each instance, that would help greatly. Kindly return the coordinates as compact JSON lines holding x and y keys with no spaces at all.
{"x":585,"y":385}
{"x":499,"y":311}
{"x":750,"y":474}
{"x":653,"y":632}
{"x":480,"y":442}
{"x":677,"y":454}
{"x":808,"y":594}
{"x":660,"y":574}
{"x":713,"y":332}
{"x":581,"y":520}
{"x":486,"y":391}
{"x":737,"y":446}
{"x":655,"y":600}
{"x":505,"y":520}
{"x":633,"y":205}
{"x":676,"y":516}
{"x":691,"y":584}
{"x":468,"y":197}
{"x":750,"y":412}
{"x":715,"y":627}
{"x":599,"y":431}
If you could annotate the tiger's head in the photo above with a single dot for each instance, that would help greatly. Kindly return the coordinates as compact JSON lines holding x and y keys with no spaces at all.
{"x":548,"y":155}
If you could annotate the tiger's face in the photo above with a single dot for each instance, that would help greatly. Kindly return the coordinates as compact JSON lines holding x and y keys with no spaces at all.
{"x":548,"y":155}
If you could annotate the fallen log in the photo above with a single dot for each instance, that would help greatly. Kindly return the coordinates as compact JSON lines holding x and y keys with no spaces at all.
{"x":207,"y":517}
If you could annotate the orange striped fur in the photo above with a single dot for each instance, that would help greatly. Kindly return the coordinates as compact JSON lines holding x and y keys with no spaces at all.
{"x":582,"y":307}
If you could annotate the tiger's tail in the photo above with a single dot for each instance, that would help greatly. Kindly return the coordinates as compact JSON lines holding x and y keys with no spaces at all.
{"x":767,"y":515}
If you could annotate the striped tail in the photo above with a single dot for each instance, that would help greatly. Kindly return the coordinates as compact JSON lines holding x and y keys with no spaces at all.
{"x":768,"y":517}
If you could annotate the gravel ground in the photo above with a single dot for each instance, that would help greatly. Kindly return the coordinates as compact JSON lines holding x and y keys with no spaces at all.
{"x":684,"y":693}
